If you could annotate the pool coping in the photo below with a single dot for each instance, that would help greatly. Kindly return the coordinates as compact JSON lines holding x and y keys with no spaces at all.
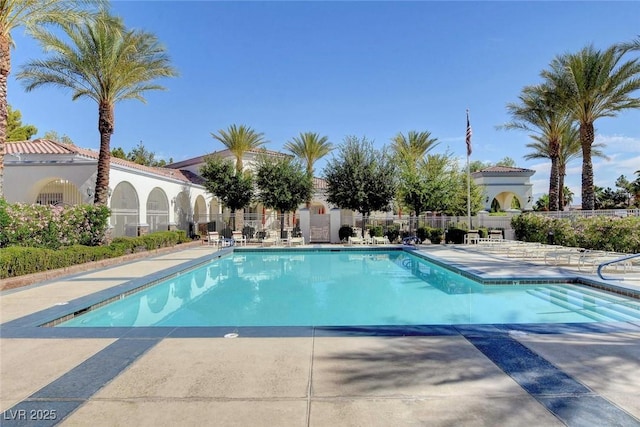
{"x":40,"y":324}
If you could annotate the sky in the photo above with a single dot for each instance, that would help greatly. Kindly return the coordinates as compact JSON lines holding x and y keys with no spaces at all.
{"x":368,"y":69}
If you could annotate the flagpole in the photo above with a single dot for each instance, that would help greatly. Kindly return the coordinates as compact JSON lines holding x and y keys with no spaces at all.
{"x":468,"y":141}
{"x":468,"y":192}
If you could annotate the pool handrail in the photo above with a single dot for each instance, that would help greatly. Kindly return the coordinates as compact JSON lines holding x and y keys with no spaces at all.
{"x":606,"y":263}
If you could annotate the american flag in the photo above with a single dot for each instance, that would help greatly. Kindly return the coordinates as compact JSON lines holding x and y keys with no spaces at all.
{"x":469,"y":133}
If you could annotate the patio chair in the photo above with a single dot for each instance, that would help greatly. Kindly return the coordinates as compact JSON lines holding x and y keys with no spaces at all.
{"x":270,"y":239}
{"x":239,"y":238}
{"x":473,"y":236}
{"x":357,"y":240}
{"x":293,"y":241}
{"x":380,"y":240}
{"x":213,"y":238}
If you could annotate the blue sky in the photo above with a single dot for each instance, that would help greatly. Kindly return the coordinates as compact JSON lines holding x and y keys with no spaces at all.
{"x":348,"y":68}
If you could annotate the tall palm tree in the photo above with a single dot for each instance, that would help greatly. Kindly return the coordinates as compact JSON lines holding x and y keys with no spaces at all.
{"x":103,"y":61}
{"x":538,"y":111}
{"x":29,"y":14}
{"x":309,"y":147}
{"x":240,"y":139}
{"x":411,"y":149}
{"x":570,"y":149}
{"x":630,"y":46}
{"x":593,"y":84}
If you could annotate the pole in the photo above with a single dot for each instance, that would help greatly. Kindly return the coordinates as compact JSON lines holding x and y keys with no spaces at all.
{"x":468,"y":142}
{"x":468,"y":192}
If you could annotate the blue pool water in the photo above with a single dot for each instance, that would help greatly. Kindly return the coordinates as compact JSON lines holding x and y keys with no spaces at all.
{"x":348,"y":288}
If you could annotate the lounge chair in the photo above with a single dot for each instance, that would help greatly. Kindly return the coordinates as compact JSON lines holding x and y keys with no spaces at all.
{"x":383,"y":240}
{"x":296,"y":241}
{"x":472,"y":237}
{"x":270,"y":239}
{"x":213,"y":238}
{"x":357,"y":240}
{"x":239,"y":238}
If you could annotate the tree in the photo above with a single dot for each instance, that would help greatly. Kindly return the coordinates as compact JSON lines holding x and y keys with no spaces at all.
{"x":119,"y":153}
{"x":540,"y":112}
{"x":593,"y":84}
{"x":412,"y":148}
{"x":30,"y":14}
{"x":625,"y":187}
{"x":52,"y":135}
{"x":361,"y":178}
{"x":238,"y":140}
{"x":506,"y":162}
{"x":104,"y":61}
{"x":283,"y":185}
{"x":309,"y":147}
{"x":438,"y":185}
{"x":16,"y":131}
{"x":542,"y":204}
{"x":235,"y":190}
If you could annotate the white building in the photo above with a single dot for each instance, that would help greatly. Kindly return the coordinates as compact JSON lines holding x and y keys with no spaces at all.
{"x":144,"y":199}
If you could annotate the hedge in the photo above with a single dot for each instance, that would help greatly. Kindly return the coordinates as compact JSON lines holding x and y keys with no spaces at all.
{"x":598,"y":233}
{"x":17,"y":261}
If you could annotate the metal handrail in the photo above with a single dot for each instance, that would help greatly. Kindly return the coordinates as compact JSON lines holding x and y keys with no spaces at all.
{"x":604,"y":264}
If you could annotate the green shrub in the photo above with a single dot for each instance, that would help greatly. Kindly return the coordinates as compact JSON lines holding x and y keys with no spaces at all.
{"x":375,"y":231}
{"x":52,"y":226}
{"x":345,"y":232}
{"x":392,"y":233}
{"x":18,"y":261}
{"x":455,"y":235}
{"x":599,"y":232}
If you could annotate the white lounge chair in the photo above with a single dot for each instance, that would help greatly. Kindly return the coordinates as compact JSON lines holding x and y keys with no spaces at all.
{"x":380,"y":240}
{"x":357,"y":240}
{"x":239,"y":238}
{"x":296,"y":241}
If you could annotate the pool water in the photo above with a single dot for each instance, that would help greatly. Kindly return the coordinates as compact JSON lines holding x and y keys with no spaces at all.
{"x":348,"y":288}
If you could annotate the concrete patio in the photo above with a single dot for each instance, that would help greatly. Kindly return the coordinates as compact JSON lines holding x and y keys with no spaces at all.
{"x":439,"y":376}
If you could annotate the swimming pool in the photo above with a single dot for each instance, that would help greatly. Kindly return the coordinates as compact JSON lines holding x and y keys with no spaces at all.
{"x":348,"y":288}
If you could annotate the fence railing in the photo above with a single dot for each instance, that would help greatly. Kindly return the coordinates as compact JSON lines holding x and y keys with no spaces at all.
{"x":256,"y":222}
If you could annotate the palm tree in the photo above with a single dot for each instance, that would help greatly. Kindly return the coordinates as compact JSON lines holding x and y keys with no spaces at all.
{"x":572,"y":149}
{"x":309,"y":147}
{"x":105,"y":62}
{"x":593,"y":84}
{"x":240,"y":139}
{"x":538,"y":111}
{"x":29,"y":14}
{"x":630,"y":46}
{"x":412,"y":148}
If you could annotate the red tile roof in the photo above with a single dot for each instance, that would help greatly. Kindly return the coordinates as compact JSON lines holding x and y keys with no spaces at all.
{"x":45,"y":146}
{"x":504,"y":169}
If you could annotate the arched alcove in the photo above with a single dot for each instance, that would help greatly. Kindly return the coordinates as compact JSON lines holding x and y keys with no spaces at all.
{"x":158,"y":210}
{"x":125,"y":210}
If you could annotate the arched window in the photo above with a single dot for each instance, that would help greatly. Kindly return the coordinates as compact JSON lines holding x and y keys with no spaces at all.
{"x":158,"y":210}
{"x":59,"y":192}
{"x":125,"y":210}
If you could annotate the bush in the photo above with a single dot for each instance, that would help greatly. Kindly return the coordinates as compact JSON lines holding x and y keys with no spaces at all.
{"x":18,"y":261}
{"x":375,"y":231}
{"x":393,"y":231}
{"x":455,"y":235}
{"x":599,"y":233}
{"x":434,"y":235}
{"x":345,"y":232}
{"x":52,"y":226}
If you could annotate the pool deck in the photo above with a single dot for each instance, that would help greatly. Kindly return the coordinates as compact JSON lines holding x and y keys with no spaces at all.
{"x":441,"y":376}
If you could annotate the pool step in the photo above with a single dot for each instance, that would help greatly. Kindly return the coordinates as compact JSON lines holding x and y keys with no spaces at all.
{"x":612,"y":302}
{"x":574,"y":301}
